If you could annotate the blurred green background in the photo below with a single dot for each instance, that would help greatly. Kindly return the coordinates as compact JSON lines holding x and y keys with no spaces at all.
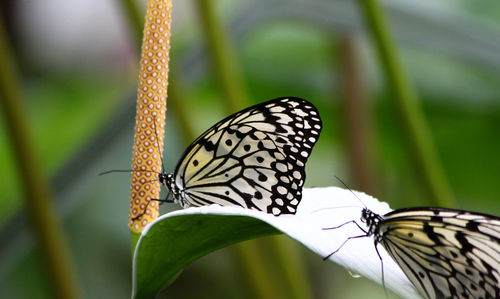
{"x":77,"y":63}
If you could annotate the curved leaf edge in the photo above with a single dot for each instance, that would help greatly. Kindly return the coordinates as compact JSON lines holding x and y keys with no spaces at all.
{"x":178,"y":238}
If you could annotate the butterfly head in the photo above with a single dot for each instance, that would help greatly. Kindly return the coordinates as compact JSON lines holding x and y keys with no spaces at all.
{"x":167,"y":179}
{"x":371,"y":219}
{"x":163,"y":178}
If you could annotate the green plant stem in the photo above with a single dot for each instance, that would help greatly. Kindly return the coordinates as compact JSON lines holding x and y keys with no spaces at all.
{"x":419,"y":143}
{"x":134,"y":238}
{"x":231,"y":83}
{"x":357,"y":117}
{"x":225,"y":65}
{"x":181,"y":114}
{"x":136,"y":19}
{"x":290,"y":260}
{"x":253,"y":267}
{"x":45,"y":225}
{"x":230,"y":79}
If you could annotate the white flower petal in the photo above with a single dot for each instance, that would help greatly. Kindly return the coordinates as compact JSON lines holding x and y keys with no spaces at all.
{"x":329,"y":207}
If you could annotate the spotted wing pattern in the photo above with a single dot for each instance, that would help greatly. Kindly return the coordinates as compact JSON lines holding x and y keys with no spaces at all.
{"x":445,"y":253}
{"x":254,"y":158}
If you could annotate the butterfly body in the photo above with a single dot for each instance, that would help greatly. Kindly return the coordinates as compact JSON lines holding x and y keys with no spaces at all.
{"x":372,"y":221}
{"x":254,"y":158}
{"x":445,"y":253}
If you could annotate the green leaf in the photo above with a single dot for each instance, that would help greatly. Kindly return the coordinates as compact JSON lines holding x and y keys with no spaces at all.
{"x":174,"y":241}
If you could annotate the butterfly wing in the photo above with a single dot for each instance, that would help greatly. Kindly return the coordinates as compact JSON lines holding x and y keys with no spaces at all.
{"x":254,"y":158}
{"x":445,"y":253}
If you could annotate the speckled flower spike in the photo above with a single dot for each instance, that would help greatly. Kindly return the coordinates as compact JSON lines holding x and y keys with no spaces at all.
{"x":150,"y":117}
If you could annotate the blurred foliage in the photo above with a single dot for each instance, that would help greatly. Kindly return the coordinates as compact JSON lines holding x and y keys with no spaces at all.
{"x":62,"y":116}
{"x":69,"y":105}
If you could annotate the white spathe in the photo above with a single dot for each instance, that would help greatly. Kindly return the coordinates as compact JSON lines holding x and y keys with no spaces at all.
{"x":322,"y":208}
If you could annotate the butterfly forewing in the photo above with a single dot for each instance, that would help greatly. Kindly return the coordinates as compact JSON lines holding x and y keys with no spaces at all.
{"x":445,"y":253}
{"x":254,"y":158}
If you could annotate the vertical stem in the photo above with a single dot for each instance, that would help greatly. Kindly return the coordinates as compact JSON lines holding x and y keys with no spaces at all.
{"x":230,"y":80}
{"x":175,"y":88}
{"x":357,"y":117}
{"x":150,"y":116}
{"x":418,"y":137}
{"x":289,"y":259}
{"x":225,"y":65}
{"x":180,"y":111}
{"x":45,"y":224}
{"x":134,"y":17}
{"x":250,"y":260}
{"x":231,"y":83}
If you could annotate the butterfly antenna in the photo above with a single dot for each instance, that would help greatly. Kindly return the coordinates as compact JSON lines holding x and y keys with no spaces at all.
{"x":340,"y":180}
{"x":125,"y":170}
{"x":333,"y":208}
{"x":158,"y":141}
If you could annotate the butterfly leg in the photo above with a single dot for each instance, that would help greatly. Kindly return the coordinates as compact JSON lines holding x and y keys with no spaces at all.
{"x":339,"y":226}
{"x":162,"y":200}
{"x":350,"y":238}
{"x":382,"y":269}
{"x":152,"y":199}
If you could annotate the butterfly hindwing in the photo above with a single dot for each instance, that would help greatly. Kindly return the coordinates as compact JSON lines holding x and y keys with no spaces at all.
{"x":445,"y":253}
{"x":254,"y":158}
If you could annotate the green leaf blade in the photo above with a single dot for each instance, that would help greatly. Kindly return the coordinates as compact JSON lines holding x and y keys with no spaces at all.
{"x":175,"y":241}
{"x":178,"y":238}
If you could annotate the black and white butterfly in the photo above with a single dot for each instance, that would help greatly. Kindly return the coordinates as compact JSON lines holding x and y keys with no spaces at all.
{"x":445,"y":253}
{"x":254,"y":158}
